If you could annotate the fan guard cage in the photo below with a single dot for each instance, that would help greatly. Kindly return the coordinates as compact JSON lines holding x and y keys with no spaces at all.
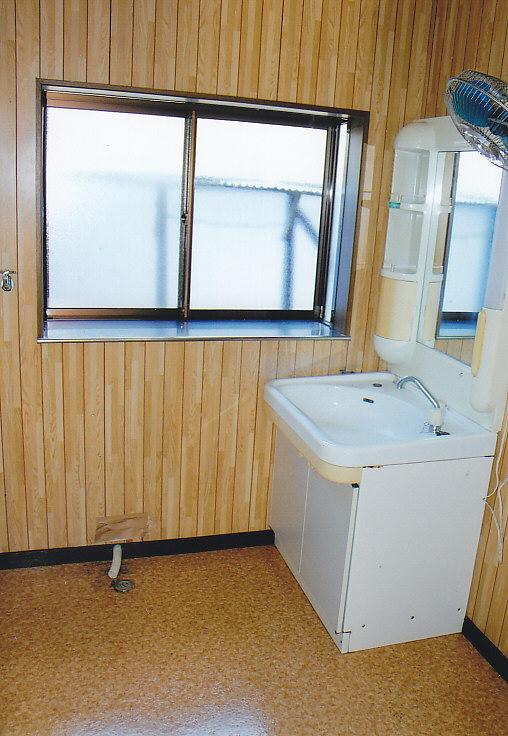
{"x":478,"y":105}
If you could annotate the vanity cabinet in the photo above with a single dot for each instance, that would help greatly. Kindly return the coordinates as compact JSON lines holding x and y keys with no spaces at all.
{"x":389,"y":559}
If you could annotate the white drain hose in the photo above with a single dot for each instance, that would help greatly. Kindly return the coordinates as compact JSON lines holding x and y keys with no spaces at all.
{"x":116,"y":561}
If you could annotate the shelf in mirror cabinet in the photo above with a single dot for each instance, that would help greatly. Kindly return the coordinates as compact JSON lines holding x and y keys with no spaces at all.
{"x":401,"y":274}
{"x":395,"y":204}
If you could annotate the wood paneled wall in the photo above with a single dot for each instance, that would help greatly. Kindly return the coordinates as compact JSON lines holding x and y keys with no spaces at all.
{"x":179,"y":429}
{"x":460,"y":349}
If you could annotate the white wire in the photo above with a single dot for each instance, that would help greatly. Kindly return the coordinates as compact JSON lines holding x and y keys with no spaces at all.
{"x":499,"y":533}
{"x":498,"y":486}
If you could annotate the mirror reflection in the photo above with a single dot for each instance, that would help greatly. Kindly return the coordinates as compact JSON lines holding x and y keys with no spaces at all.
{"x":456,"y":286}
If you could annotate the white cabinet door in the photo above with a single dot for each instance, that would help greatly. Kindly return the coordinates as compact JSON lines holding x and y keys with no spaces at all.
{"x":326,"y":547}
{"x":416,"y":534}
{"x":289,"y":489}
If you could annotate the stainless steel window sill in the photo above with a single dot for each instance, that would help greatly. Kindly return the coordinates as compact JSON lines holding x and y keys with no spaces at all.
{"x":131,"y":330}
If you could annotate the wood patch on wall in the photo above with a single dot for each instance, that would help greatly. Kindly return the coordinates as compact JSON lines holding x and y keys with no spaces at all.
{"x":122,"y":528}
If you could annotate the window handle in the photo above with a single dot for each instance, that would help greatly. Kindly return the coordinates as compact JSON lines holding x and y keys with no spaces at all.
{"x":6,"y":280}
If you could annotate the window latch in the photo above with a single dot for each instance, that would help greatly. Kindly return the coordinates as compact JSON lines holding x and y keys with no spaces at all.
{"x":6,"y":280}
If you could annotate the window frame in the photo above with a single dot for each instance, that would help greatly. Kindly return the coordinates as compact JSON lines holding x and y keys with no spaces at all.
{"x":191,"y":107}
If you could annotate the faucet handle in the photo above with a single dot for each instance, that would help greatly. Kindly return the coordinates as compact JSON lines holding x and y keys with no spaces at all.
{"x":436,"y":416}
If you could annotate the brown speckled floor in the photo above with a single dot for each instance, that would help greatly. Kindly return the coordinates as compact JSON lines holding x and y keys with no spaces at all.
{"x":221,"y":644}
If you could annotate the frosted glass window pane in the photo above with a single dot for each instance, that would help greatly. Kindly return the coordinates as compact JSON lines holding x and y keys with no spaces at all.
{"x":113,"y":194}
{"x":258,"y":191}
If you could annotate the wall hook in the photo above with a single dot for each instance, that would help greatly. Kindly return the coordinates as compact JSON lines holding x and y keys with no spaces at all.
{"x":6,"y":280}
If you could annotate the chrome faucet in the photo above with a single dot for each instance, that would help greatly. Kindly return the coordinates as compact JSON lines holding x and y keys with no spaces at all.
{"x":436,"y":417}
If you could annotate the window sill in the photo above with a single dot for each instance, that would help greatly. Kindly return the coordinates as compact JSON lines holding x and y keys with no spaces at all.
{"x":129,"y":330}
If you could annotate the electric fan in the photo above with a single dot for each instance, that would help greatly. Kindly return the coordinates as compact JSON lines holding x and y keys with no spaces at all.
{"x":478,"y":105}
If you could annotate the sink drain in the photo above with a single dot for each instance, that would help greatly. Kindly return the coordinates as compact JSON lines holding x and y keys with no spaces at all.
{"x":122,"y":586}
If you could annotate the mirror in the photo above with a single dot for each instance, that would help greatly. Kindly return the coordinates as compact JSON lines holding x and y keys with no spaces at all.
{"x":457,"y":269}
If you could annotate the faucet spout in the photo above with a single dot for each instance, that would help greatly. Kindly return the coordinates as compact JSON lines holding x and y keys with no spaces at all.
{"x":425,"y":391}
{"x":435,"y":420}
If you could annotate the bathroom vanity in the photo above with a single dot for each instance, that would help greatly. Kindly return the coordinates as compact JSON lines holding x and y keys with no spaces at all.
{"x":378,"y":521}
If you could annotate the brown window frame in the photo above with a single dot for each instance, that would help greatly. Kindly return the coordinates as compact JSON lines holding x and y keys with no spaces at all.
{"x":120,"y":99}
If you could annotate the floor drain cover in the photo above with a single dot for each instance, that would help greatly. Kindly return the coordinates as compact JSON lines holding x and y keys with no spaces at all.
{"x":122,"y":586}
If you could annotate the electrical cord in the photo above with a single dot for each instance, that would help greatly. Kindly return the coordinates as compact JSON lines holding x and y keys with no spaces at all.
{"x":497,"y":492}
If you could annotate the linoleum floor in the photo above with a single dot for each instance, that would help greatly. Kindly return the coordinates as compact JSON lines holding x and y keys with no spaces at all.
{"x":218,"y":644}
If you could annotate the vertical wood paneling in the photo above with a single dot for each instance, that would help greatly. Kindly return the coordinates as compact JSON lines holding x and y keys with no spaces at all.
{"x":143,"y":45}
{"x":338,"y":356}
{"x":504,"y":72}
{"x":503,"y":639}
{"x":489,"y":579}
{"x":27,"y":69}
{"x":230,"y":386}
{"x":438,"y":31}
{"x":187,"y":45}
{"x":10,"y":374}
{"x":245,"y":435}
{"x":54,"y":444}
{"x":418,"y":64}
{"x":250,"y":46}
{"x":4,"y":535}
{"x":487,"y":29}
{"x":309,"y":51}
{"x":286,"y":358}
{"x":114,"y":427}
{"x":473,"y":34}
{"x":75,"y":39}
{"x":290,"y":50}
{"x":328,"y":52}
{"x":153,"y":444}
{"x":262,"y":439}
{"x":172,"y":438}
{"x":210,"y":415}
{"x":365,"y":52}
{"x":499,"y":598}
{"x":208,"y":48}
{"x":321,"y":358}
{"x":449,"y":29}
{"x":499,"y":38}
{"x":485,"y":567}
{"x":453,"y":47}
{"x":348,"y":43}
{"x":304,"y":357}
{"x":134,"y":401}
{"x":460,"y":34}
{"x":93,"y":363}
{"x":191,"y":433}
{"x":74,"y":434}
{"x":466,"y":351}
{"x":52,"y":38}
{"x":229,"y":47}
{"x":120,"y":53}
{"x":271,"y":29}
{"x":97,"y":53}
{"x":166,"y":14}
{"x":180,"y":430}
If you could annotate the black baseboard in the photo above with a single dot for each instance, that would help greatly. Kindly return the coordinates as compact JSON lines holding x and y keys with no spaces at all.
{"x":96,"y":553}
{"x":487,"y":649}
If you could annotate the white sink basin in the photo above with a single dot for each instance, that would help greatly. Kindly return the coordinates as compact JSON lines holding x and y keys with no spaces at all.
{"x":359,"y":420}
